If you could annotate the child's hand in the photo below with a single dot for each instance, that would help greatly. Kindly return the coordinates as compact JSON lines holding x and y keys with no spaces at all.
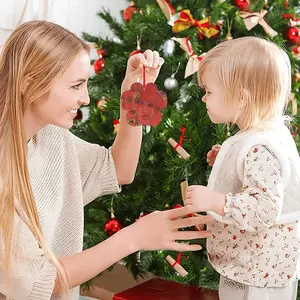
{"x":150,"y":59}
{"x":212,"y":154}
{"x":205,"y":199}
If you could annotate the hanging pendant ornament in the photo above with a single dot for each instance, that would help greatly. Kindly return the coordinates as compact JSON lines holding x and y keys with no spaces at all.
{"x":168,"y":47}
{"x":242,"y":4}
{"x":116,"y":124}
{"x":113,"y":225}
{"x":143,"y":103}
{"x":178,"y":146}
{"x":98,"y":65}
{"x":171,"y":82}
{"x":129,"y":11}
{"x":176,"y":265}
{"x":228,"y":35}
{"x":138,"y":46}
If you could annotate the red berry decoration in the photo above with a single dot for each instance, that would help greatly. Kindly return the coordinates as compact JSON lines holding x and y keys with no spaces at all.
{"x":242,"y":4}
{"x":112,"y":226}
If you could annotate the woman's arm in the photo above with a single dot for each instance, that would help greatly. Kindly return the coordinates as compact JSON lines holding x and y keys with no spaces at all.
{"x":157,"y":230}
{"x":127,"y":145}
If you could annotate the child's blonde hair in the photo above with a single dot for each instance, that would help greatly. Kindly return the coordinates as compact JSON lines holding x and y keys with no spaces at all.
{"x":256,"y":75}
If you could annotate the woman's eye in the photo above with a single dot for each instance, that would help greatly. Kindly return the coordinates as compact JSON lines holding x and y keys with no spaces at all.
{"x":77,"y":86}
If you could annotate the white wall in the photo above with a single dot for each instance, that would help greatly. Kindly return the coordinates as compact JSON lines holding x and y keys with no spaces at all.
{"x":76,"y":15}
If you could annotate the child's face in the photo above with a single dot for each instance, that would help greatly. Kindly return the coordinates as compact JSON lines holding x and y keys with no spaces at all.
{"x":67,"y":94}
{"x":214,"y":99}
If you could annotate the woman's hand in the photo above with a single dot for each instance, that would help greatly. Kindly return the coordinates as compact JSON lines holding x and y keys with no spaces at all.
{"x":159,"y":230}
{"x":134,"y":72}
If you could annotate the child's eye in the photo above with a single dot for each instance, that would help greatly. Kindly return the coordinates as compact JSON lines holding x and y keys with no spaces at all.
{"x":77,"y":86}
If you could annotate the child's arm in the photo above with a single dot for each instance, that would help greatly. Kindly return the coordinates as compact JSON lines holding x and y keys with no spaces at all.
{"x":258,"y":206}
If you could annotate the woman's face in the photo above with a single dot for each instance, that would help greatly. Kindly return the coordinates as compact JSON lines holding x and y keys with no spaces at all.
{"x":67,"y":94}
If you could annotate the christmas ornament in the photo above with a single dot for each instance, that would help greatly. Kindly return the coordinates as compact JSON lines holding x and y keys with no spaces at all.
{"x":186,"y":20}
{"x":129,"y":11}
{"x":143,"y":103}
{"x":116,"y":123}
{"x":242,"y":4}
{"x":168,"y":47}
{"x":194,"y":60}
{"x":228,"y":35}
{"x":166,"y":8}
{"x":176,"y":265}
{"x":171,"y":83}
{"x":178,"y":146}
{"x":101,"y":104}
{"x":168,"y":11}
{"x":293,"y":35}
{"x":112,"y":226}
{"x":251,"y":19}
{"x":98,"y":65}
{"x":138,"y":46}
{"x":101,"y":52}
{"x":293,"y":21}
{"x":79,"y":115}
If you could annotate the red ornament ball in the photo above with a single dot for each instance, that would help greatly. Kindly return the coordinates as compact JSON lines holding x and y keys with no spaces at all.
{"x":242,"y":4}
{"x":98,"y":65}
{"x":101,"y":52}
{"x":112,"y":226}
{"x":129,"y":11}
{"x":293,"y":35}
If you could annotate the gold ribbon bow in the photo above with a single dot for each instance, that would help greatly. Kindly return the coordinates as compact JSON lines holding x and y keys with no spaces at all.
{"x":186,"y":20}
{"x":251,"y":19}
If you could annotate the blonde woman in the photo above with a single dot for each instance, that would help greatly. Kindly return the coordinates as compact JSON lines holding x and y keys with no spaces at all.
{"x":48,"y":175}
{"x":254,"y":187}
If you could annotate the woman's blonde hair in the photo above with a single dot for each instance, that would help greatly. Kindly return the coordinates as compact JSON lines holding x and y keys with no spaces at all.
{"x":36,"y":54}
{"x":256,"y":75}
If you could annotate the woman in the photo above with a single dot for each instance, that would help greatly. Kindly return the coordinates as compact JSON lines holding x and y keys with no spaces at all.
{"x":48,"y":175}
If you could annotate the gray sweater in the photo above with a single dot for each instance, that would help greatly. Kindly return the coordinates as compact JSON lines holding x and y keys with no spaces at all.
{"x":66,"y":173}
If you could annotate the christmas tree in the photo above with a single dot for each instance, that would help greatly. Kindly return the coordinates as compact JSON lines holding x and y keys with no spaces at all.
{"x":197,"y":26}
